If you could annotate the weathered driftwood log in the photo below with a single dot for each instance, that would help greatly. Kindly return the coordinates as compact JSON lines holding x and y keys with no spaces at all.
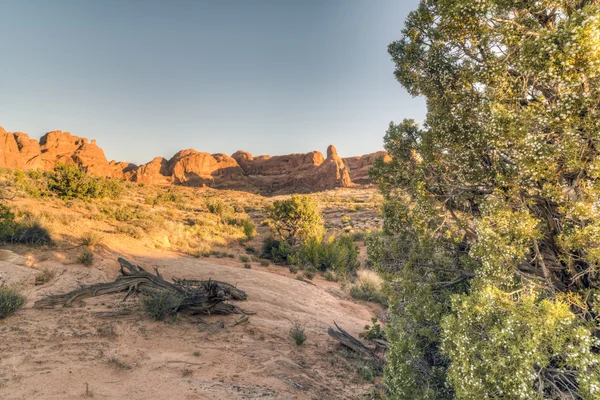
{"x":356,"y":345}
{"x":200,"y":297}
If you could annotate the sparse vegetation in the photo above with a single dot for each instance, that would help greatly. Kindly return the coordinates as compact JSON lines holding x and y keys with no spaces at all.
{"x":368,"y":287}
{"x":11,"y":301}
{"x":86,"y":258}
{"x":297,"y":333}
{"x":45,"y":276}
{"x":161,"y":305}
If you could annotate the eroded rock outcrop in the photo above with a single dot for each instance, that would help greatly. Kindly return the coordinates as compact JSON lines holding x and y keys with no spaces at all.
{"x":293,"y":173}
{"x":359,"y":166}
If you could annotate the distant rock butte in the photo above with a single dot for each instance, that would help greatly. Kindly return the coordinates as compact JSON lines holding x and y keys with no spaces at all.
{"x":292,"y":173}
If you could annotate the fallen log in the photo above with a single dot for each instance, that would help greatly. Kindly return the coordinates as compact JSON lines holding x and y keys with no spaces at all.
{"x":356,"y":345}
{"x":199,"y":297}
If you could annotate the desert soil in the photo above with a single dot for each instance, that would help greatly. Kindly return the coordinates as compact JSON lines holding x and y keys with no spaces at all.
{"x":69,"y":353}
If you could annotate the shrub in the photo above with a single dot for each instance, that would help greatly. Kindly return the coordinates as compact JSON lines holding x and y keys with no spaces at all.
{"x":69,"y":182}
{"x":265,"y":263}
{"x":130,"y":230}
{"x":91,"y":239}
{"x":86,"y":258}
{"x":296,"y":218}
{"x":373,"y":332}
{"x":310,"y":273}
{"x":368,"y":287}
{"x":276,"y":250}
{"x":219,"y":208}
{"x":44,"y":276}
{"x":31,"y":231}
{"x":339,"y":254}
{"x":247,"y":265}
{"x":7,"y":223}
{"x":297,"y":333}
{"x":160,"y":305}
{"x":11,"y":300}
{"x":249,"y":229}
{"x":244,"y":258}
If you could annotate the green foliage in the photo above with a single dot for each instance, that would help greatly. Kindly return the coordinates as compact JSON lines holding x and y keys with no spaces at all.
{"x":69,"y":182}
{"x":249,"y":229}
{"x":497,"y":194}
{"x":277,"y":250}
{"x":297,"y":333}
{"x":339,"y":254}
{"x":373,"y":332}
{"x":497,"y":341}
{"x":7,"y":222}
{"x":296,"y":218}
{"x":244,"y":258}
{"x":11,"y":300}
{"x":160,"y":305}
{"x":368,"y":291}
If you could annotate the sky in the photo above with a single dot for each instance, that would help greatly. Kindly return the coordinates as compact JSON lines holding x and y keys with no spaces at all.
{"x":148,"y":78}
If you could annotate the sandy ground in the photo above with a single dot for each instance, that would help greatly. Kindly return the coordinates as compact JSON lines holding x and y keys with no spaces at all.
{"x":69,"y":353}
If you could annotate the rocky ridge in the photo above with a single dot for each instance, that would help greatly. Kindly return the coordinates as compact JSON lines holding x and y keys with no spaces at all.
{"x":292,"y":173}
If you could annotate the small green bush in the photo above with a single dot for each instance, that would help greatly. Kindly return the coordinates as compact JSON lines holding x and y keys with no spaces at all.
{"x":309,"y":273}
{"x":244,"y":259}
{"x":86,"y":258}
{"x":69,"y":182}
{"x":373,"y":332}
{"x":276,"y":250}
{"x":161,"y":304}
{"x":249,"y":229}
{"x":368,"y":291}
{"x":297,"y":333}
{"x":7,"y":223}
{"x":11,"y":300}
{"x":247,"y":265}
{"x":265,"y":263}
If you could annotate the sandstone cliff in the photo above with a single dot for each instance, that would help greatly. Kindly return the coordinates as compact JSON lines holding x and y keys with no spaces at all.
{"x":293,"y":173}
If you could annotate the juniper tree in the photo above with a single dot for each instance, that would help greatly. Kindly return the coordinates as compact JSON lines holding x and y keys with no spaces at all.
{"x":491,"y":239}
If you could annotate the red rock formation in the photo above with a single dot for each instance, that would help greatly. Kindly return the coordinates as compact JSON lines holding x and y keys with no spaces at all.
{"x":359,"y":166}
{"x":193,"y":168}
{"x":279,"y":174}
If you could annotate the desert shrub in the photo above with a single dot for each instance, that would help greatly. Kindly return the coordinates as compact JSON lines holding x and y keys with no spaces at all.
{"x":296,"y":218}
{"x":277,"y":251}
{"x":297,"y":333}
{"x":91,"y":239}
{"x":69,"y":182}
{"x":124,"y":213}
{"x":339,"y":254}
{"x":244,"y":258}
{"x":250,"y":250}
{"x":34,"y":183}
{"x":45,"y":276}
{"x":249,"y":229}
{"x":160,"y":305}
{"x":220,"y":208}
{"x":265,"y":263}
{"x":130,"y":230}
{"x":330,"y":276}
{"x":310,"y":273}
{"x":373,"y":332}
{"x":294,"y":269}
{"x":7,"y":222}
{"x":11,"y":300}
{"x":368,"y":287}
{"x":367,"y":373}
{"x":247,"y":265}
{"x":31,"y":231}
{"x":86,"y":258}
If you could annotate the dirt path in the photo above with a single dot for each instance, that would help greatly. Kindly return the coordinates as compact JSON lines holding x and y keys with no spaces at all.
{"x":71,"y":353}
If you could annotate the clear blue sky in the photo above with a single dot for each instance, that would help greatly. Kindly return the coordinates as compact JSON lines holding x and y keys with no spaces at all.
{"x":148,"y":78}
